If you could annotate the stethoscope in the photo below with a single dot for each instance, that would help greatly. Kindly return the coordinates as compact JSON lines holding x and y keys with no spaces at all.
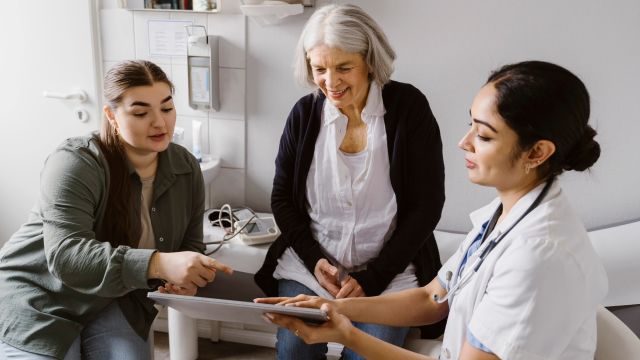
{"x":487,"y":246}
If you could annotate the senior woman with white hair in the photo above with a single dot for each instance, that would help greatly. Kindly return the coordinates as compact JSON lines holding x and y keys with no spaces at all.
{"x":359,"y":183}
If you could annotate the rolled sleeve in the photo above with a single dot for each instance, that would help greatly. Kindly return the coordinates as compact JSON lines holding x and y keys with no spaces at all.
{"x":135,"y":266}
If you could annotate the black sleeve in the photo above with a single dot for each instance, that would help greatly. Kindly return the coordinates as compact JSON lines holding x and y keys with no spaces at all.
{"x":421,"y":201}
{"x":288,"y":194}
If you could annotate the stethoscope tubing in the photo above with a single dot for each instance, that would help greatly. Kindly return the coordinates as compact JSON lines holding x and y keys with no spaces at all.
{"x":487,"y":246}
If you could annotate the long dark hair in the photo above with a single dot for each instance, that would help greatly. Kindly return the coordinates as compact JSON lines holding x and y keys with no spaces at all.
{"x":117,"y":227}
{"x":544,"y":101}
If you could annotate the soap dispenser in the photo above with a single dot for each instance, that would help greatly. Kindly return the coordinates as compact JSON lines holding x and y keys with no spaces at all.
{"x":203,"y":69}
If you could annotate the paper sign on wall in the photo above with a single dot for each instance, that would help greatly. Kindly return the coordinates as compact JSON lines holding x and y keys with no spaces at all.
{"x":168,"y":37}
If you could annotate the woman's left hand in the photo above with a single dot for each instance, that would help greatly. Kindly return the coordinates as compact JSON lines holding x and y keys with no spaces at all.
{"x":169,"y":288}
{"x":337,"y":328}
{"x":350,"y":288}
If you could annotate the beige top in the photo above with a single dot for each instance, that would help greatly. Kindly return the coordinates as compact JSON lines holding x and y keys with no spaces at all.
{"x":146,"y":236}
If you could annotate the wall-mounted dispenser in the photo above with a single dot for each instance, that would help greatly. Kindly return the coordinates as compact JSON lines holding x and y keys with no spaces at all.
{"x":203,"y":67}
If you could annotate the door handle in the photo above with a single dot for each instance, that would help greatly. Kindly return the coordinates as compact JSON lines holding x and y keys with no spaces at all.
{"x":80,"y":95}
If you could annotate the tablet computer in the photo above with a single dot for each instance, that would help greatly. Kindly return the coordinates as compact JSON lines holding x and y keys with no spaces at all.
{"x":230,"y":298}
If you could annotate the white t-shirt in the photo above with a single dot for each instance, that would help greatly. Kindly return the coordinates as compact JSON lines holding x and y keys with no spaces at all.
{"x":536,"y":294}
{"x":352,"y":205}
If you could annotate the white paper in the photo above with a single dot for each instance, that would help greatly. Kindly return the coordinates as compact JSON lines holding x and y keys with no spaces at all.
{"x":199,"y":84}
{"x":168,"y":37}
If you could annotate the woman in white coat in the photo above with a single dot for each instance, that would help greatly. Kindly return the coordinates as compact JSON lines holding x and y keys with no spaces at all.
{"x":526,"y":282}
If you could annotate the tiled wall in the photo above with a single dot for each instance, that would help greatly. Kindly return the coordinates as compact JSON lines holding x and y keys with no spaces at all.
{"x":124,"y":35}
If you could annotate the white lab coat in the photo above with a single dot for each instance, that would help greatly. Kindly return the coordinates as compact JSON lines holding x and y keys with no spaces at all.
{"x":535,"y":296}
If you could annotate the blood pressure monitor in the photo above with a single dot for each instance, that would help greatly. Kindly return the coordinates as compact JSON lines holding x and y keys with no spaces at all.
{"x":257,"y":230}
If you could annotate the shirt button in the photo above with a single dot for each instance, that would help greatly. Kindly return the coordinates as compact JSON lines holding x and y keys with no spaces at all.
{"x":349,"y":203}
{"x":153,"y":209}
{"x":161,"y":239}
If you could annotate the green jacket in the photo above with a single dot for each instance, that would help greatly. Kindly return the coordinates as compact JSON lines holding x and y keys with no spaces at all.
{"x":57,"y":273}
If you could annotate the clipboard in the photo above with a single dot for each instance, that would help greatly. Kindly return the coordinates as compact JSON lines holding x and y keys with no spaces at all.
{"x":230,"y":298}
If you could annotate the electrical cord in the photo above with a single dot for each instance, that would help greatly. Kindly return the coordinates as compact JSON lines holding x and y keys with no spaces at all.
{"x":229,"y":234}
{"x":226,"y":237}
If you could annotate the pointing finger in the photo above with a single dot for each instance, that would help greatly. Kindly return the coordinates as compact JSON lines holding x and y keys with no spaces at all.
{"x":216,"y":265}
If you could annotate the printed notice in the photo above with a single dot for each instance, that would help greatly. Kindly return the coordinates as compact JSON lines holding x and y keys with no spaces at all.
{"x":168,"y":37}
{"x":199,"y":84}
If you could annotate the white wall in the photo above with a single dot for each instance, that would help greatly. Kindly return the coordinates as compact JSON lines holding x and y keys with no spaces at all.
{"x":447,"y":49}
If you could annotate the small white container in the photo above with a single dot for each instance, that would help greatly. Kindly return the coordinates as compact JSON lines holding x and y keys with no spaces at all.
{"x":204,"y":5}
{"x":196,"y":148}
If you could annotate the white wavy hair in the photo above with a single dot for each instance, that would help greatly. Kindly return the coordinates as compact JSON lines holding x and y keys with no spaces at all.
{"x":350,"y":29}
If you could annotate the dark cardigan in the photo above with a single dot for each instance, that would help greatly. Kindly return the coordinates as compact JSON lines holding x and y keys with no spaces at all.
{"x":417,"y":178}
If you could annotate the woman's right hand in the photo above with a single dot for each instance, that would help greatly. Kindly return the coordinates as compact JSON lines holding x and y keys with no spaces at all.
{"x":327,"y":276}
{"x":338,"y":328}
{"x":186,"y":269}
{"x":307,"y":301}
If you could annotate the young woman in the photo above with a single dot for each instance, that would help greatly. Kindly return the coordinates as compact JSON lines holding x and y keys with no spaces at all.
{"x":359,"y":183}
{"x":526,"y":282}
{"x":119,"y":214}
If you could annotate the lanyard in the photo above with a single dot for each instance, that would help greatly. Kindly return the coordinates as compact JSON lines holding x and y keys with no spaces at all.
{"x":486,"y":247}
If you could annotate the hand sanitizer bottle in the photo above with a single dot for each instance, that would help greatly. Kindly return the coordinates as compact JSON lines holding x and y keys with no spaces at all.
{"x":197,"y":148}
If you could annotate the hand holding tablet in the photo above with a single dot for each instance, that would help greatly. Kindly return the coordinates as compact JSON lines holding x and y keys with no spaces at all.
{"x":336,"y":328}
{"x":232,"y":310}
{"x":230,"y":298}
{"x":286,"y":306}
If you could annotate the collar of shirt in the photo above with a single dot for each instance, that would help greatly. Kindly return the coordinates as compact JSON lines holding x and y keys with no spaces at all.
{"x":167,"y":163}
{"x":373,"y":107}
{"x":169,"y":166}
{"x":483,"y":214}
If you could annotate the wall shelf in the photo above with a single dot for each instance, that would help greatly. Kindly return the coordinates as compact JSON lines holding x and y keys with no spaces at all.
{"x":269,"y":14}
{"x":147,"y":5}
{"x":179,"y":11}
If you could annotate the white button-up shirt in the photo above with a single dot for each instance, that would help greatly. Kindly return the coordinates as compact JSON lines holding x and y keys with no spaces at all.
{"x":535,"y":295}
{"x":351,"y":202}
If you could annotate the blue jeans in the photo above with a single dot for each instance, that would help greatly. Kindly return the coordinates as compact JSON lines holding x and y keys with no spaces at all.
{"x":289,"y":346}
{"x":107,"y":337}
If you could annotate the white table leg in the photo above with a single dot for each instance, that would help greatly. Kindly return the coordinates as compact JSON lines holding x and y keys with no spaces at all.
{"x":214,"y":334}
{"x":183,"y":336}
